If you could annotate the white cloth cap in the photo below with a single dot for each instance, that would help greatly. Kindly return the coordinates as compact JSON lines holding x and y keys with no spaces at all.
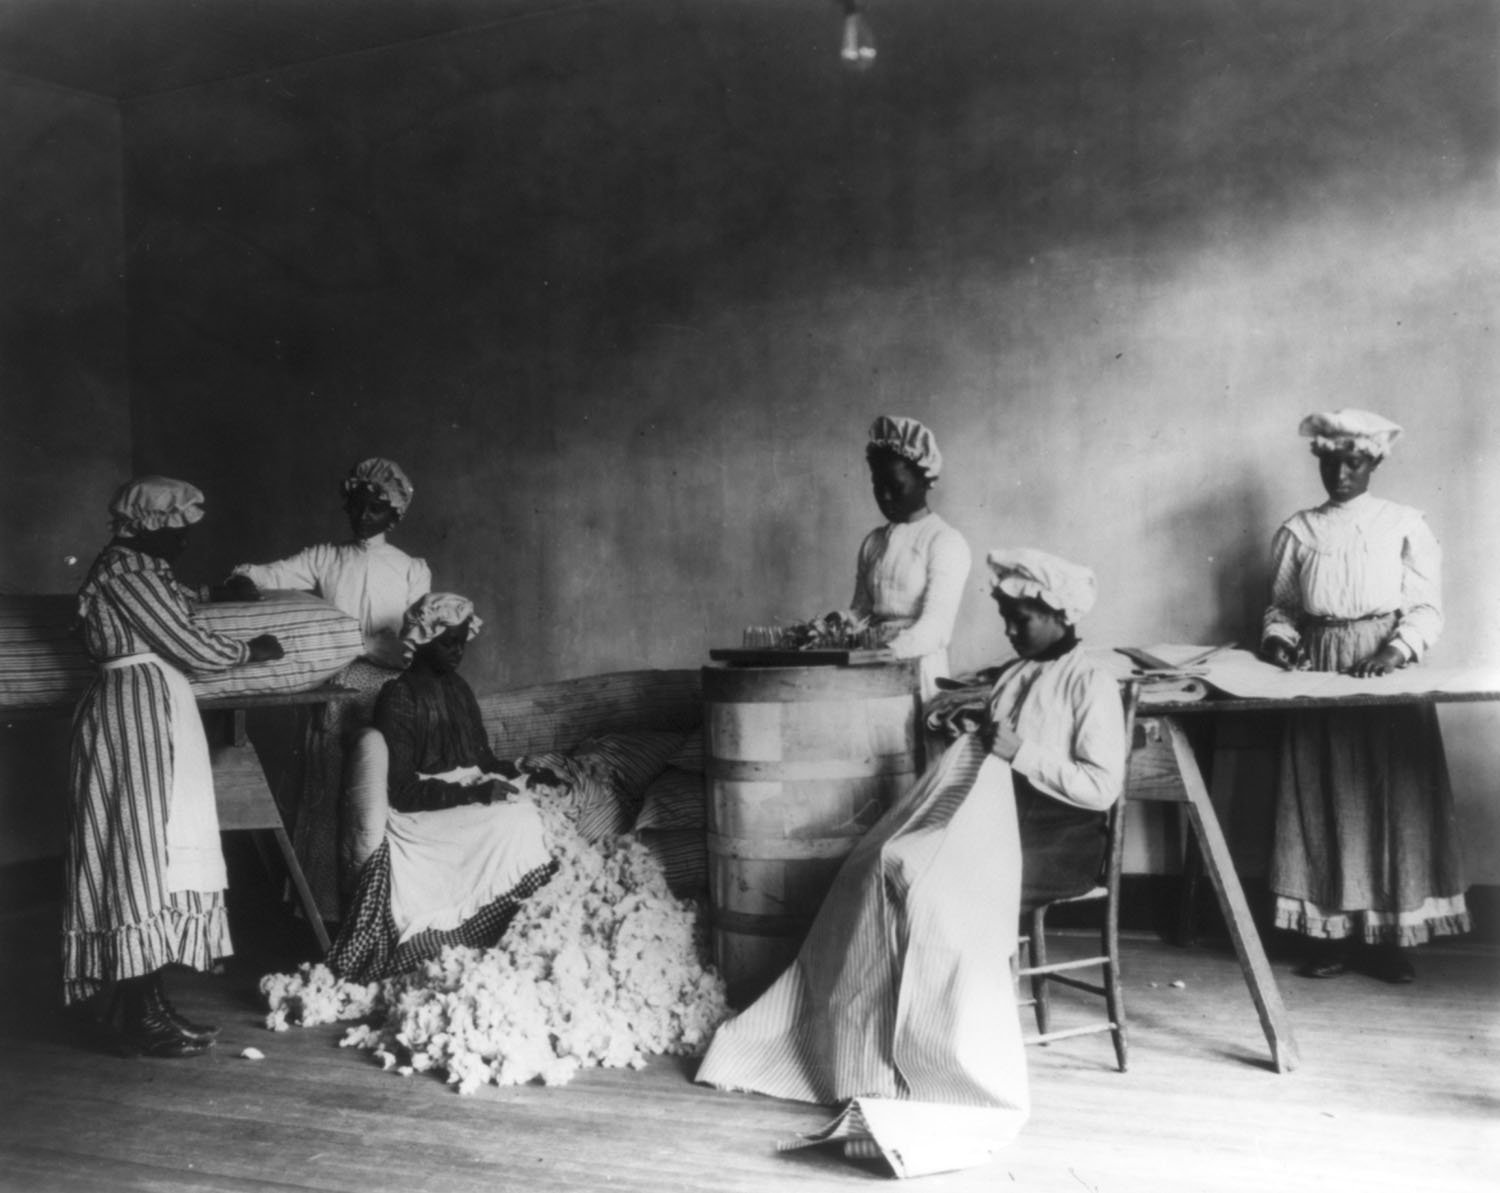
{"x":384,"y":475}
{"x":154,"y":502}
{"x":430,"y":615}
{"x":1024,"y":572}
{"x":910,"y":440}
{"x":1350,"y":431}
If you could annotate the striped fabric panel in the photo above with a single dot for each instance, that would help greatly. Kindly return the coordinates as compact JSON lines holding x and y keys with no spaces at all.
{"x":683,"y":854}
{"x":43,"y":662}
{"x":319,"y":641}
{"x":864,"y":1010}
{"x":674,"y":799}
{"x":630,"y":761}
{"x":42,"y":659}
{"x":119,"y":919}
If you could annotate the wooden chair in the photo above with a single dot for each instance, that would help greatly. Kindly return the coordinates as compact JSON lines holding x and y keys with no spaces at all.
{"x":1042,"y":972}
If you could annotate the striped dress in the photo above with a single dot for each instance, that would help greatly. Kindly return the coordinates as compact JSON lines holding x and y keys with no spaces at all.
{"x":120,"y":919}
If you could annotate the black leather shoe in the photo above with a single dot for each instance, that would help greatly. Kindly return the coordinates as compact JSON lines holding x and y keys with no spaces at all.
{"x":1328,"y":967}
{"x":157,"y":1001}
{"x":144,"y":1028}
{"x":1394,"y":966}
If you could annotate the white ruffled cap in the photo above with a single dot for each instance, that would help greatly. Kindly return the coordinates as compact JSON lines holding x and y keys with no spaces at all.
{"x":1024,"y":572}
{"x":152,"y":503}
{"x":384,"y":475}
{"x":1350,"y":431}
{"x":430,"y":615}
{"x":910,"y":440}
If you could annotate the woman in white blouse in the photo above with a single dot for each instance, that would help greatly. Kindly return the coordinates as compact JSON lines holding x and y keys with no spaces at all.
{"x":1366,"y":850}
{"x":902,"y":992}
{"x":911,"y":572}
{"x":376,"y":582}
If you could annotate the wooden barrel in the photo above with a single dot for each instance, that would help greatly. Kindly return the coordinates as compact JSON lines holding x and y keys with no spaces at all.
{"x":801,"y":761}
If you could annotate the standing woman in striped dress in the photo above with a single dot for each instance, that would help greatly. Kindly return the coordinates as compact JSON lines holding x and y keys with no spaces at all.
{"x":145,"y":873}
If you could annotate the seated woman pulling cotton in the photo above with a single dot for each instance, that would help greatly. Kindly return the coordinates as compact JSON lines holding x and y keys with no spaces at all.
{"x":457,"y":859}
{"x":901,"y":1000}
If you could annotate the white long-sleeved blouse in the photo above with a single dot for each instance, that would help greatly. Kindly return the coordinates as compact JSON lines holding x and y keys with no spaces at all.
{"x":912,"y":574}
{"x":1355,"y":559}
{"x":370,"y":580}
{"x":1070,"y":718}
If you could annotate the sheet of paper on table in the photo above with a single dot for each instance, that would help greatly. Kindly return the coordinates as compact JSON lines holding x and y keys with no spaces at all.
{"x":1240,"y":673}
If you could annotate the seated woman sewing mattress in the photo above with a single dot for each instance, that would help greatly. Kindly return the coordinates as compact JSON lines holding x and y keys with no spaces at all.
{"x":457,"y":860}
{"x":902,"y":992}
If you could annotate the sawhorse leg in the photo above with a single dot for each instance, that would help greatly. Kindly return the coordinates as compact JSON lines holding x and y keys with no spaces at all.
{"x":1274,"y":1020}
{"x":245,"y":804}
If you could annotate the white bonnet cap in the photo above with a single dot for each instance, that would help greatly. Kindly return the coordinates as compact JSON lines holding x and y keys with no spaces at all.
{"x":152,"y":503}
{"x":910,"y":440}
{"x":430,"y":615}
{"x":1350,"y":431}
{"x":1024,"y":572}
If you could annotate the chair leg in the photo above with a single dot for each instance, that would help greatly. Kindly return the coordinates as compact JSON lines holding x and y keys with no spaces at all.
{"x":1113,"y":998}
{"x":1038,"y":959}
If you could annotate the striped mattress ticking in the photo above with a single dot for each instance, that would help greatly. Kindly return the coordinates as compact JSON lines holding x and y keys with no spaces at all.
{"x":43,"y":662}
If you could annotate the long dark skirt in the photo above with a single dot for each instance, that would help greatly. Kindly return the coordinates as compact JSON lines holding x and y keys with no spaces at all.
{"x":1062,"y":846}
{"x":1367,"y":841}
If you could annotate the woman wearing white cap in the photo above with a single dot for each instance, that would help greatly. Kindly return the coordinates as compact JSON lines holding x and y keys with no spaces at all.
{"x":911,"y":572}
{"x":370,"y":579}
{"x":144,"y":871}
{"x":1366,"y":846}
{"x":902,"y":992}
{"x":456,"y":859}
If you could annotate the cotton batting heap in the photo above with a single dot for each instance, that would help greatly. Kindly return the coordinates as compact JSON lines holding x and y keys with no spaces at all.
{"x":601,"y":967}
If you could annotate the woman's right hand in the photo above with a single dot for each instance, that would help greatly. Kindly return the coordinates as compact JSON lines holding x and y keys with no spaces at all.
{"x":1279,"y":653}
{"x":234,"y":588}
{"x":265,"y":648}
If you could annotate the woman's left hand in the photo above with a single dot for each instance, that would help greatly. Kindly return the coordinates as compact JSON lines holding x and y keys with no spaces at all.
{"x":1382,"y":662}
{"x":1002,"y":741}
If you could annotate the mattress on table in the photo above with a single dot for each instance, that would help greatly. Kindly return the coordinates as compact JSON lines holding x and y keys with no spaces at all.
{"x":43,"y":662}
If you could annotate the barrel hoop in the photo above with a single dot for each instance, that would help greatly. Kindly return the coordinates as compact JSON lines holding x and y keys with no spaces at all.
{"x":743,"y":924}
{"x":733,"y":770}
{"x":780,"y":849}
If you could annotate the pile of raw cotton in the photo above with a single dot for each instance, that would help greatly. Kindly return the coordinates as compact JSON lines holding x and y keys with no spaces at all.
{"x":601,"y":967}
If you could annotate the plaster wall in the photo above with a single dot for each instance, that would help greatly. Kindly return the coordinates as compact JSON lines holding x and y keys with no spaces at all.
{"x":622,"y":288}
{"x":64,"y":411}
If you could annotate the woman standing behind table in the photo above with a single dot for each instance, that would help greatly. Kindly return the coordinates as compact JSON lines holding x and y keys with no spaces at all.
{"x":911,"y":572}
{"x":145,"y":874}
{"x":1366,"y":849}
{"x":375,"y":582}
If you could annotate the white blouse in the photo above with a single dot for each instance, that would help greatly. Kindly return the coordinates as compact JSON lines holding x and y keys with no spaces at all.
{"x":370,"y":580}
{"x":1070,"y":717}
{"x":1349,"y":561}
{"x":912,"y":575}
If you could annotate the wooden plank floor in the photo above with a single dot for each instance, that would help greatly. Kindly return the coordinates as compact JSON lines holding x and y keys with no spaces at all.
{"x":1399,"y":1089}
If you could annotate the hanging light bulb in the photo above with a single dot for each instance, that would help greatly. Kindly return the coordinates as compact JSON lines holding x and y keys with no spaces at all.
{"x":858,"y":49}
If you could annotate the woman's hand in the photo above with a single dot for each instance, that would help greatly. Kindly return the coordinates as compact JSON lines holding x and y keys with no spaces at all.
{"x":265,"y":648}
{"x":234,"y":588}
{"x":1002,"y":741}
{"x":1382,"y":662}
{"x":1280,"y":653}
